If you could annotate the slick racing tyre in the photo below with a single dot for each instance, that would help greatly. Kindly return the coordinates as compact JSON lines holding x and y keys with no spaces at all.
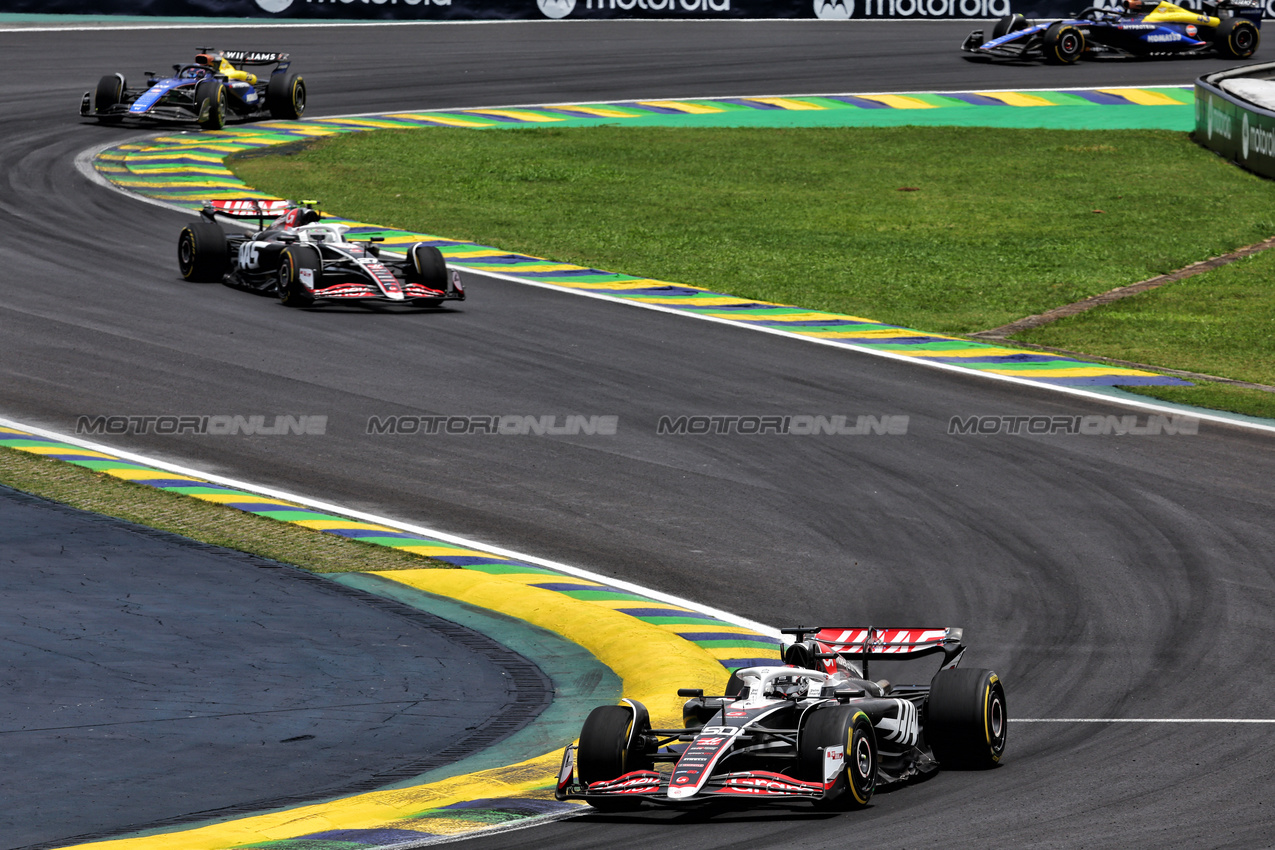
{"x":210,"y":100}
{"x":202,"y":252}
{"x":966,"y":719}
{"x":1237,"y":38}
{"x":1063,"y":44}
{"x":110,"y":91}
{"x":605,"y":753}
{"x":849,"y":728}
{"x":295,"y":265}
{"x":285,"y":95}
{"x":1008,"y":24}
{"x":427,"y":267}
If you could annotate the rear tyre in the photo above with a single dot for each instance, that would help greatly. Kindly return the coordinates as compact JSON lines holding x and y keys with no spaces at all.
{"x":966,"y":719}
{"x":285,"y":95}
{"x":291,"y":281}
{"x":426,"y":266}
{"x":1008,"y":24}
{"x":110,"y":92}
{"x":1237,"y":38}
{"x":604,"y":752}
{"x":212,"y":94}
{"x":202,"y":252}
{"x":1063,"y":44}
{"x":847,"y":727}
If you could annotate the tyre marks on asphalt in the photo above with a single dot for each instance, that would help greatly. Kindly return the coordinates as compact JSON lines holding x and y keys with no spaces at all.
{"x":623,"y":629}
{"x":187,"y":169}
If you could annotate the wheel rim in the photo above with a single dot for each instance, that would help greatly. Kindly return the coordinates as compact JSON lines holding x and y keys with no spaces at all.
{"x":285,"y":277}
{"x":185,"y":253}
{"x":298,"y":97}
{"x":863,"y":757}
{"x":997,"y":719}
{"x":1068,"y":44}
{"x":1243,"y":39}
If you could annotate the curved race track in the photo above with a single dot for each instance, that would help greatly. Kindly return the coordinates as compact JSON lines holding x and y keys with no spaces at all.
{"x":1101,"y":576}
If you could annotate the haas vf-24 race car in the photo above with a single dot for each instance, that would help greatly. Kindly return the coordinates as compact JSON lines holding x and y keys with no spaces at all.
{"x":814,"y":728}
{"x":1142,"y":29}
{"x":220,"y":86}
{"x":306,"y":261}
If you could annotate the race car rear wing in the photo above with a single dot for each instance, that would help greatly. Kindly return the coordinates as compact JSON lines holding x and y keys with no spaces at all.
{"x":862,"y":643}
{"x":262,"y":209}
{"x":254,"y":57}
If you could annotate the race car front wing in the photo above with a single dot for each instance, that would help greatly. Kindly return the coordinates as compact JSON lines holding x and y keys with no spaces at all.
{"x":653,"y":786}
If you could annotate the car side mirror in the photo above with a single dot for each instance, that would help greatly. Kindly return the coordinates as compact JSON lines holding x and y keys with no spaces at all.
{"x":690,"y":692}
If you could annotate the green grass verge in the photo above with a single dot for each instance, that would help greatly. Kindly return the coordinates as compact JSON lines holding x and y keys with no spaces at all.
{"x":1218,"y":323}
{"x":209,"y":523}
{"x":948,"y":229}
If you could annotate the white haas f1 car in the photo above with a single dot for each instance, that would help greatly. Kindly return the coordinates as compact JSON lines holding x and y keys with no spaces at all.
{"x":814,"y":729}
{"x":306,"y":261}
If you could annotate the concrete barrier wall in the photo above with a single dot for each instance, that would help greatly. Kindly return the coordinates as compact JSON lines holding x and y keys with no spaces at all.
{"x":1235,"y":115}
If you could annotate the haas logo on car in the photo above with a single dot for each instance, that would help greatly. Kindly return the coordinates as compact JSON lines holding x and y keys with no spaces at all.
{"x":903,"y":727}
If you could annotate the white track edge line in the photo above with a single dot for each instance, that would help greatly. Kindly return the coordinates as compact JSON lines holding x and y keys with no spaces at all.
{"x":525,"y":823}
{"x":84,"y":163}
{"x":889,"y":355}
{"x":424,"y":531}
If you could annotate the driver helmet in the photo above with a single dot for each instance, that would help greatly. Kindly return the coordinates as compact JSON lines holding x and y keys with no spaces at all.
{"x":296,"y":217}
{"x":788,"y":687}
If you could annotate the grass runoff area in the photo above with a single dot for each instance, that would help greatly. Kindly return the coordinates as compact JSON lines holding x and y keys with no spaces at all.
{"x":947,"y":229}
{"x":203,"y":521}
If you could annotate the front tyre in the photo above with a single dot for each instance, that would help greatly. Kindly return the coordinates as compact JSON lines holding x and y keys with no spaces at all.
{"x":848,"y":728}
{"x":1063,"y":44}
{"x":285,"y":95}
{"x":110,"y":93}
{"x":605,"y":752}
{"x":1237,"y":38}
{"x":966,"y":719}
{"x":298,"y":266}
{"x":202,"y":252}
{"x":210,"y":100}
{"x":426,"y":266}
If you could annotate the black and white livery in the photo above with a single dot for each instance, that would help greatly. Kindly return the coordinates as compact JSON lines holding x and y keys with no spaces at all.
{"x":814,"y":728}
{"x":307,"y":261}
{"x":220,"y":86}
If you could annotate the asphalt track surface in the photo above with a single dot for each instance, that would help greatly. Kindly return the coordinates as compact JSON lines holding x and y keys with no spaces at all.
{"x":149,"y":679}
{"x":1102,"y":577}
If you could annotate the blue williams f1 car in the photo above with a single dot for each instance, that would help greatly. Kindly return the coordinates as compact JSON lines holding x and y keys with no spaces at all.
{"x":217,"y":88}
{"x":811,"y":729}
{"x":1142,"y":29}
